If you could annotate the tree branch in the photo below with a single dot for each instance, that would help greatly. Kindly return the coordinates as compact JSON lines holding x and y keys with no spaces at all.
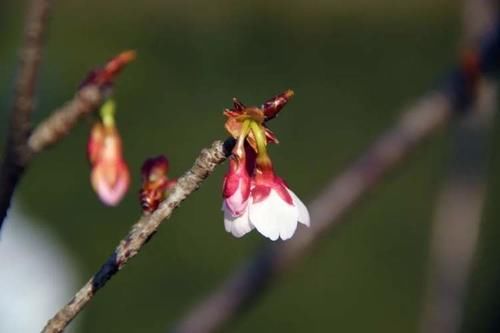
{"x":62,"y":120}
{"x":142,"y":232}
{"x":17,"y":152}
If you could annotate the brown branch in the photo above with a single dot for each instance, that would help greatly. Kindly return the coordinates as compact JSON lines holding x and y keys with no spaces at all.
{"x":17,"y":152}
{"x":141,"y":233}
{"x":62,"y":120}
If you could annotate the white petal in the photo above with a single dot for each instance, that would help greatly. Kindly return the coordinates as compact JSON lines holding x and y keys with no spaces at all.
{"x":237,"y":225}
{"x":303,"y":212}
{"x":273,"y":217}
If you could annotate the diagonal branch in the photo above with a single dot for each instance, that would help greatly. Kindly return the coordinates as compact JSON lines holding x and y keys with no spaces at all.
{"x":17,"y":152}
{"x":141,"y":233}
{"x":62,"y":120}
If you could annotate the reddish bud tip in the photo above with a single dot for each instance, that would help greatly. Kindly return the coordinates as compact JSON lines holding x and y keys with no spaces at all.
{"x":103,"y":77}
{"x":274,"y":105}
{"x":237,"y":105}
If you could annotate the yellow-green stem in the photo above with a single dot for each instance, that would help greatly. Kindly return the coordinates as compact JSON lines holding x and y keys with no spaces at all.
{"x":108,"y":113}
{"x":261,"y":141}
{"x":245,"y":129}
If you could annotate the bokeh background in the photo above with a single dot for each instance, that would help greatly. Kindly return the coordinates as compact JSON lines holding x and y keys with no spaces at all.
{"x":353,"y":65}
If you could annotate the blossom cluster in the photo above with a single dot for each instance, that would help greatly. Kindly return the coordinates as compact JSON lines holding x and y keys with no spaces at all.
{"x":254,"y":196}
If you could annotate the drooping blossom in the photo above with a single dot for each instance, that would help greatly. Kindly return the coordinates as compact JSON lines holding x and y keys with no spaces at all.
{"x":110,"y":176}
{"x":155,"y":182}
{"x":254,"y":196}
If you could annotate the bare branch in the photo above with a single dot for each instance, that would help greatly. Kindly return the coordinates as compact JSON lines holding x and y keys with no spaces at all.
{"x":17,"y":153}
{"x":141,"y":233}
{"x":61,"y":121}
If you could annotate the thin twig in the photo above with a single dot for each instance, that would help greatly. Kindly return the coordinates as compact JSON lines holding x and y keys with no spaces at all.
{"x":248,"y":282}
{"x":62,"y":120}
{"x":17,"y":152}
{"x":141,"y":233}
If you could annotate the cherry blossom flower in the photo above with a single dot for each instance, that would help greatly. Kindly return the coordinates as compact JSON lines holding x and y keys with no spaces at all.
{"x":254,"y":196}
{"x":275,"y":209}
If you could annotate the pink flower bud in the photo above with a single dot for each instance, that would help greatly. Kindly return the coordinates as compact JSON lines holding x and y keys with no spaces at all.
{"x":254,"y":197}
{"x":110,"y":176}
{"x":104,"y":77}
{"x":274,"y":105}
{"x":236,"y":186}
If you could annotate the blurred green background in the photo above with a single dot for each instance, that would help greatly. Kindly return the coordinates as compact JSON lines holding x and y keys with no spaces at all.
{"x":353,"y":65}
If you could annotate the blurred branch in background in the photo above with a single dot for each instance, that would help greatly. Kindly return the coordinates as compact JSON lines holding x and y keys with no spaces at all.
{"x":17,"y":153}
{"x":416,"y":124}
{"x":460,"y":203}
{"x":458,"y":215}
